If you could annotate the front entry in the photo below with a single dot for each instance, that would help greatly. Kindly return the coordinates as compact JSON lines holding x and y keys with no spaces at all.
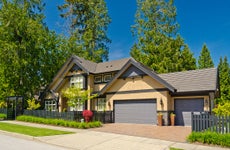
{"x":135,"y":111}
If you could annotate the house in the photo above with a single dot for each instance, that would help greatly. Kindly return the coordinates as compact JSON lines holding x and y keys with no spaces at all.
{"x":134,"y":92}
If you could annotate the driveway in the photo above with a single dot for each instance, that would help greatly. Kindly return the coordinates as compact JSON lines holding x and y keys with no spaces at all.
{"x":169,"y":133}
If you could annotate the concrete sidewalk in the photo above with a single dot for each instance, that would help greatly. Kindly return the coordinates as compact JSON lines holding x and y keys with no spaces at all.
{"x":94,"y":140}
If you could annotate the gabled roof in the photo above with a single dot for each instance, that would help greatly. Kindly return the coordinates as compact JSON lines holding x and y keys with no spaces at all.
{"x":88,"y":67}
{"x":142,"y":68}
{"x":177,"y":82}
{"x":192,"y":81}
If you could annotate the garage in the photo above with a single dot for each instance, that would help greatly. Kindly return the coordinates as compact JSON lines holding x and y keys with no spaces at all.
{"x":183,"y":109}
{"x":135,"y":111}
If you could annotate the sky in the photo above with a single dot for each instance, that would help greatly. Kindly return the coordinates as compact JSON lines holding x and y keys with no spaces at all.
{"x":201,"y":21}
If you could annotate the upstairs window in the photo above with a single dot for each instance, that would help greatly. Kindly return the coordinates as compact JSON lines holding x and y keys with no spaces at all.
{"x":97,"y":79}
{"x":107,"y":77}
{"x":77,"y":81}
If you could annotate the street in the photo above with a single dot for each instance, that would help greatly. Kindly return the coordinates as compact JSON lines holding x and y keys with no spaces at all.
{"x":13,"y":143}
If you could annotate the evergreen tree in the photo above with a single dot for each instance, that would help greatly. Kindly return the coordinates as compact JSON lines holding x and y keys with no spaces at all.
{"x":205,"y":60}
{"x":158,"y":45}
{"x":188,"y":61}
{"x":224,"y":77}
{"x":88,"y":24}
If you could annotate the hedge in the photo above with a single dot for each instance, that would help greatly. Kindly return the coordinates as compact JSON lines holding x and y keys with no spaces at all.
{"x":59,"y":122}
{"x":208,"y":137}
{"x":2,"y":116}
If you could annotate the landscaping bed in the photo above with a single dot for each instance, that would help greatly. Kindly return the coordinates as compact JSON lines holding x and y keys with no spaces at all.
{"x":60,"y":122}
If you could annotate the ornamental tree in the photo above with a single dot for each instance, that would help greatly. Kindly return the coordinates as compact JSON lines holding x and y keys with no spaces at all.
{"x":77,"y":96}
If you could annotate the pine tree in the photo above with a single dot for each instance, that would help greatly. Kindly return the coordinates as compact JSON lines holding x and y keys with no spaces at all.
{"x":205,"y":60}
{"x":158,"y":45}
{"x":188,"y":61}
{"x":224,"y":77}
{"x":88,"y":24}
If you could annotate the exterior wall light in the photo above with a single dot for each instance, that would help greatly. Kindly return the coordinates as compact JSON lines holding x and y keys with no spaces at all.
{"x":161,"y":102}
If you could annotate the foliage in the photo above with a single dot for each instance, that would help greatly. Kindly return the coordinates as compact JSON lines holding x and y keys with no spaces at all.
{"x":2,"y":116}
{"x":76,"y":95}
{"x":32,"y":131}
{"x":205,"y":60}
{"x":210,"y":138}
{"x":32,"y":104}
{"x":88,"y":24}
{"x":224,"y":78}
{"x":222,"y":110}
{"x":3,"y":104}
{"x":172,"y":114}
{"x":60,"y":122}
{"x":87,"y":113}
{"x":30,"y":54}
{"x":158,"y":45}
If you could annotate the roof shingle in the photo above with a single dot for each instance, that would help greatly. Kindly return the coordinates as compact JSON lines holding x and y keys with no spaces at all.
{"x":191,"y":81}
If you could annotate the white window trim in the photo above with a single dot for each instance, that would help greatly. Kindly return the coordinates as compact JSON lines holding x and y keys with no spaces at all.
{"x":97,"y":77}
{"x":107,"y":75}
{"x":50,"y":105}
{"x":101,"y":104}
{"x":77,"y":81}
{"x":79,"y":107}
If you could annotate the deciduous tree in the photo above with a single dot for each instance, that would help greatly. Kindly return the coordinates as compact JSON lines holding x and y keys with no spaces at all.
{"x":29,"y":52}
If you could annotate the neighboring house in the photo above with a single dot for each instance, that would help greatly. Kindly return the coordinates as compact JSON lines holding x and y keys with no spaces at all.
{"x":134,"y":92}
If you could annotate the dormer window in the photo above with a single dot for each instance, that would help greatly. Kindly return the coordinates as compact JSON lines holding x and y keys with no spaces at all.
{"x":97,"y":79}
{"x":77,"y":81}
{"x":107,"y":77}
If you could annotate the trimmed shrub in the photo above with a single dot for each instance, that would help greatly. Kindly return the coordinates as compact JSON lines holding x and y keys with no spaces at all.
{"x":2,"y":116}
{"x":210,"y":138}
{"x":60,"y":122}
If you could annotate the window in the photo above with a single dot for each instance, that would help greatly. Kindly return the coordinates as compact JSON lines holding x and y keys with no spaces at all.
{"x":97,"y":79}
{"x":77,"y":81}
{"x":79,"y":106}
{"x":107,"y":77}
{"x":101,"y":104}
{"x":50,"y":105}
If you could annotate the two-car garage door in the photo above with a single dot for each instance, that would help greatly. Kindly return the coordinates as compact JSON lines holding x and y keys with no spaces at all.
{"x":183,"y":109}
{"x":135,"y":111}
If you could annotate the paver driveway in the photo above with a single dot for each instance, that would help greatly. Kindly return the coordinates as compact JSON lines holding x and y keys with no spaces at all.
{"x":170,"y":133}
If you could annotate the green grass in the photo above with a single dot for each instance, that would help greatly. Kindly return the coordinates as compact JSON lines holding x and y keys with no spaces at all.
{"x":32,"y":131}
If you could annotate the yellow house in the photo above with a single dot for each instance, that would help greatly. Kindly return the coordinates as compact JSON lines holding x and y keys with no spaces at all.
{"x":134,"y":92}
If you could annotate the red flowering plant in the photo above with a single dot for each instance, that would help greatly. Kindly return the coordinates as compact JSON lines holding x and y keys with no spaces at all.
{"x":87,"y":114}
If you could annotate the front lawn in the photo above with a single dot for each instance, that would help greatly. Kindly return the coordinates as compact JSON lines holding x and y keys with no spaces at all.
{"x":32,"y":131}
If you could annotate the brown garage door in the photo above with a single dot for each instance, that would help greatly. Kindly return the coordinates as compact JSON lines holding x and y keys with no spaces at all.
{"x":135,"y":111}
{"x":183,"y":109}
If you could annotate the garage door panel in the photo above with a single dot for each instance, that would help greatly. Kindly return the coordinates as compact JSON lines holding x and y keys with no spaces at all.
{"x":184,"y":107}
{"x":135,"y":111}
